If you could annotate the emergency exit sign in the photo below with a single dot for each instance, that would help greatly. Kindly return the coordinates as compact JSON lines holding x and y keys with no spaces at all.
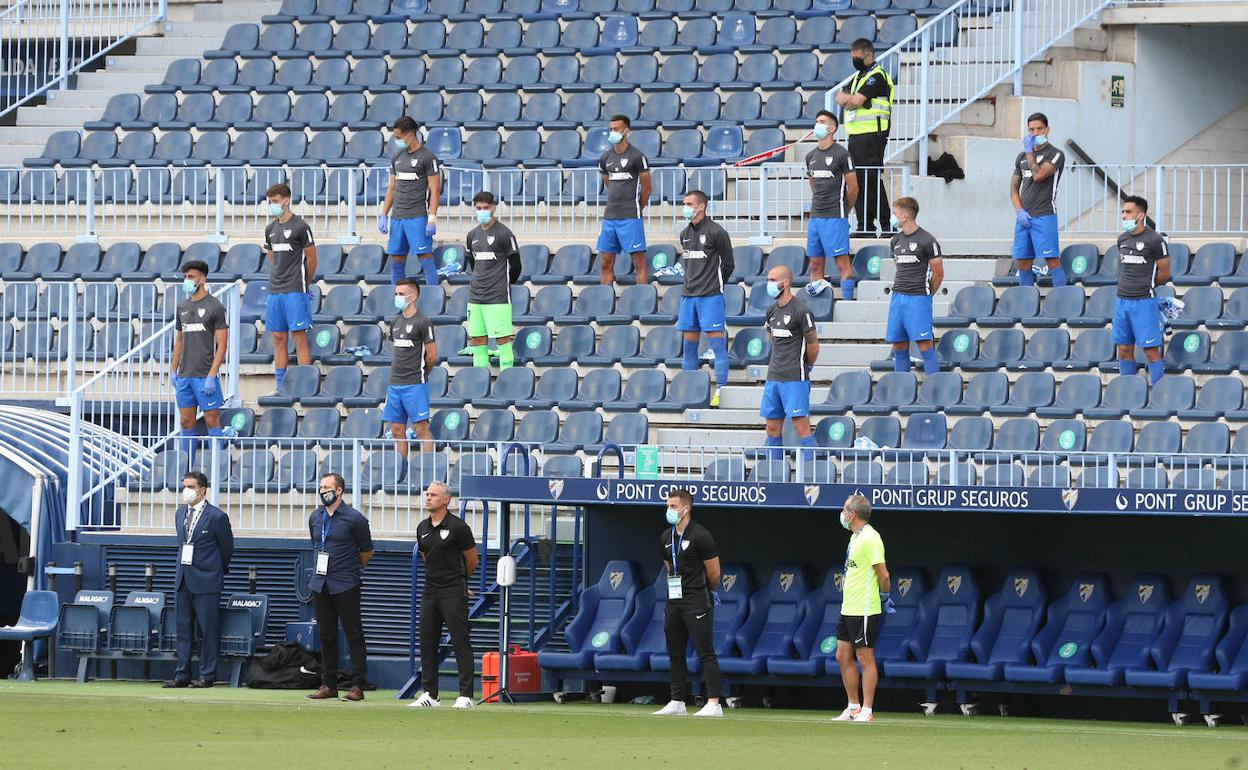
{"x":1117,"y":90}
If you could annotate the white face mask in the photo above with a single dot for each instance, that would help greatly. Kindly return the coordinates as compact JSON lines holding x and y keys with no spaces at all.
{"x":673,"y":516}
{"x":844,"y":520}
{"x":189,"y":495}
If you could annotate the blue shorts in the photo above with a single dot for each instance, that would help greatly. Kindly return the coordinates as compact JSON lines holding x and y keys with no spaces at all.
{"x":190,"y":394}
{"x":407,"y":236}
{"x":909,"y":318}
{"x":621,"y":236}
{"x":1038,"y":241}
{"x":1137,"y":322}
{"x":406,"y":404}
{"x":827,"y":237}
{"x":288,"y":312}
{"x":785,"y":399}
{"x":701,"y":314}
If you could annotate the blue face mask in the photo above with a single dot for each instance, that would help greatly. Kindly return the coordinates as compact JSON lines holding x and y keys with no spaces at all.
{"x":400,"y":143}
{"x":673,"y":516}
{"x":1129,"y":225}
{"x":615,"y":137}
{"x":188,"y":287}
{"x":688,"y":213}
{"x":773,"y":289}
{"x":821,"y":130}
{"x":894,"y":222}
{"x":276,"y":209}
{"x":1041,"y":139}
{"x":400,"y":302}
{"x":483,"y":216}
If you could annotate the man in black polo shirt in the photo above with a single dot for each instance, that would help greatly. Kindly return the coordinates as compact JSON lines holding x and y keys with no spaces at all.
{"x":449,"y":551}
{"x":692,"y":563}
{"x":342,"y":545}
{"x":708,"y":262}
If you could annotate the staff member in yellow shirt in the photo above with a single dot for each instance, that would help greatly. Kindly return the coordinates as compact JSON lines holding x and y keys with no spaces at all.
{"x":866,"y":599}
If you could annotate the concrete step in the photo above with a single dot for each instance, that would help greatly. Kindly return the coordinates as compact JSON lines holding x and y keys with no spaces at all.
{"x":876,"y":312}
{"x":684,"y":436}
{"x":176,"y":47}
{"x":80,"y":98}
{"x":234,"y":12}
{"x":145,"y":63}
{"x":856,"y":355}
{"x":60,"y":117}
{"x":121,"y":82}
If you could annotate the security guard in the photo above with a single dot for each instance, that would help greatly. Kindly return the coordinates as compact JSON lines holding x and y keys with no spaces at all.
{"x":708,"y":262}
{"x":449,"y":551}
{"x":343,"y":545}
{"x":868,"y":104}
{"x":691,"y":561}
{"x":1145,"y":261}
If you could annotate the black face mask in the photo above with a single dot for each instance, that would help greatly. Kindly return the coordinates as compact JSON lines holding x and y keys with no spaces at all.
{"x":329,"y":497}
{"x":860,"y":64}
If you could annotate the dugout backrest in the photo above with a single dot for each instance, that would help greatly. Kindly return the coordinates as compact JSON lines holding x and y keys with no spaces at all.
{"x":642,"y":634}
{"x":1131,"y":625}
{"x":814,"y":640}
{"x":953,"y":611}
{"x":1070,"y":625}
{"x":775,"y":613}
{"x":908,"y":590}
{"x":1194,"y":623}
{"x":604,"y":608}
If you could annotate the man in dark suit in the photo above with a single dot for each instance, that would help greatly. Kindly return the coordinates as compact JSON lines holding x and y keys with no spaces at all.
{"x":205,"y":545}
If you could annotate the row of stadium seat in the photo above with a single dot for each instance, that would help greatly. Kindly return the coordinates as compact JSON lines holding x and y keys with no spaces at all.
{"x":93,"y":627}
{"x":978,"y":306}
{"x":506,"y":110}
{"x":942,"y":637}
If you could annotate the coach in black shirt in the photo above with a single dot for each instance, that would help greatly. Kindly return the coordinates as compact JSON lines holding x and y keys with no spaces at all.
{"x":449,"y":551}
{"x":691,"y":561}
{"x":342,"y":545}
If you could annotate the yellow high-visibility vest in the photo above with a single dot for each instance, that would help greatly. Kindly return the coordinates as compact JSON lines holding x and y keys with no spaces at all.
{"x":873,"y":116}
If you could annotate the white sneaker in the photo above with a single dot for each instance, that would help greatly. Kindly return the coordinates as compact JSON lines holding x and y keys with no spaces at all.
{"x":815,"y":288}
{"x":463,"y":702}
{"x":710,"y":710}
{"x":424,"y":701}
{"x":674,"y":708}
{"x":864,"y":716}
{"x":847,"y":715}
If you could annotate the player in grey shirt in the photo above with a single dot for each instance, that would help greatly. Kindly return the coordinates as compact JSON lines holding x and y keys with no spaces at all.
{"x":707,"y":263}
{"x":493,"y":257}
{"x":626,"y":177}
{"x":834,"y":189}
{"x":920,"y":271}
{"x":292,"y":264}
{"x":1033,"y":190}
{"x":411,"y":205}
{"x":199,"y":348}
{"x":413,"y":356}
{"x":1144,"y":265}
{"x":794,"y":349}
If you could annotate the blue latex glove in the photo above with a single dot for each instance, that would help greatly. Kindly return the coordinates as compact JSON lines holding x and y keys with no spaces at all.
{"x":809,"y":371}
{"x":383,"y":224}
{"x":1024,"y":219}
{"x":1029,"y":143}
{"x":311,"y":297}
{"x":715,"y":599}
{"x":173,"y":380}
{"x":431,"y":226}
{"x":886,"y":601}
{"x":210,"y":385}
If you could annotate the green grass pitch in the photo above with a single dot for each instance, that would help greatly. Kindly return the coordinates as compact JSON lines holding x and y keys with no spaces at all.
{"x":132,"y":725}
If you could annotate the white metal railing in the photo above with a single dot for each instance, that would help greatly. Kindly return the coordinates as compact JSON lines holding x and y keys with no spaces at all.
{"x":1182,"y":199}
{"x":214,"y":203}
{"x":44,"y":42}
{"x":958,"y":56}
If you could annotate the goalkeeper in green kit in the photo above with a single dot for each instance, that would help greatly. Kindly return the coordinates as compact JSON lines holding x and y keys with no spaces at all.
{"x":492,"y":256}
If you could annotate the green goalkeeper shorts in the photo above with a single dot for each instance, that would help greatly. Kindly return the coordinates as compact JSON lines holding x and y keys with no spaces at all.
{"x":490,"y":320}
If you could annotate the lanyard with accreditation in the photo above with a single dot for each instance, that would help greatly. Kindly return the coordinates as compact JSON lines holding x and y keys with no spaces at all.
{"x":673,"y":581}
{"x":322,"y":556}
{"x":188,"y":549}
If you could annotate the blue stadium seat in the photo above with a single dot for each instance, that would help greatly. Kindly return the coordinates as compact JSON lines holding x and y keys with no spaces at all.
{"x":513,"y":384}
{"x":466,"y":387}
{"x":1168,"y":397}
{"x":1231,"y":656}
{"x":642,"y":636}
{"x":659,"y":345}
{"x":301,"y":381}
{"x":1030,"y":391}
{"x":537,"y":428}
{"x":725,"y":469}
{"x":907,"y":473}
{"x":1011,"y":620}
{"x":814,"y":640}
{"x":579,"y":430}
{"x":939,"y":390}
{"x":493,"y":425}
{"x":625,"y":430}
{"x":863,"y":472}
{"x":775,"y":613}
{"x":689,"y":390}
{"x":1071,"y":625}
{"x":1060,"y":303}
{"x":970,"y":303}
{"x":983,"y":392}
{"x":1219,"y":396}
{"x":1145,"y":475}
{"x":601,"y":386}
{"x":340,"y":383}
{"x":1210,"y":263}
{"x":948,"y":616}
{"x":893,"y":390}
{"x":1193,"y":625}
{"x":1000,"y":348}
{"x":1121,"y":395}
{"x":1229,"y":354}
{"x":1131,"y":625}
{"x":643,"y":388}
{"x":925,"y":431}
{"x":604,"y":609}
{"x":1015,"y":304}
{"x":1187,"y":350}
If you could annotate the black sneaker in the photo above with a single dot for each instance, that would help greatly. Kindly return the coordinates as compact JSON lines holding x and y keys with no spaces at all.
{"x":176,"y":684}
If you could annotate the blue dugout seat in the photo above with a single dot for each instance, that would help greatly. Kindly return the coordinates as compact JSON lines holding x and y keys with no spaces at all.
{"x":1132,"y":624}
{"x":1071,"y":624}
{"x":775,"y":613}
{"x":814,"y":641}
{"x":604,"y":609}
{"x":1011,"y":618}
{"x":950,"y":612}
{"x":642,"y":636}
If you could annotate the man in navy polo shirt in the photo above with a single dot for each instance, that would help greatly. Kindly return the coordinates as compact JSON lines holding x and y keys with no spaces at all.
{"x":342,"y":545}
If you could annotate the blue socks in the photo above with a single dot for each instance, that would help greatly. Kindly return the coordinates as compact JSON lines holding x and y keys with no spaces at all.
{"x":279,"y":374}
{"x":187,"y":444}
{"x":1026,"y":277}
{"x":398,"y":270}
{"x":1127,"y":367}
{"x":1059,"y":276}
{"x":774,"y":452}
{"x":930,"y":364}
{"x":690,"y":361}
{"x":431,"y":271}
{"x":847,"y":288}
{"x":808,"y":449}
{"x":901,"y":360}
{"x":720,"y":346}
{"x":1156,"y":370}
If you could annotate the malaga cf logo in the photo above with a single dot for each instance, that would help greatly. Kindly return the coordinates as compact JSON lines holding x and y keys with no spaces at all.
{"x":729,"y":581}
{"x":812,"y":493}
{"x":556,"y":488}
{"x":1020,"y":586}
{"x":1202,"y":592}
{"x":1085,"y":591}
{"x":839,"y":579}
{"x":954,"y":582}
{"x":903,"y":586}
{"x":1069,"y":498}
{"x":1145,"y":593}
{"x":786,"y":581}
{"x":616,"y":578}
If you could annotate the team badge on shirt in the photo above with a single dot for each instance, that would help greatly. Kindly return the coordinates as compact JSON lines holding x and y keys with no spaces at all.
{"x":445,"y":534}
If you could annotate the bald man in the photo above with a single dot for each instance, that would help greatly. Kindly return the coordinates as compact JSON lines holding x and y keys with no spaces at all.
{"x":794,"y":348}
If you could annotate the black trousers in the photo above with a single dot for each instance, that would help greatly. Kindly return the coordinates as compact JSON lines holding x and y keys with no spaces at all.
{"x":867,"y":150}
{"x":331,"y":609}
{"x":436,"y":610}
{"x":680,"y":624}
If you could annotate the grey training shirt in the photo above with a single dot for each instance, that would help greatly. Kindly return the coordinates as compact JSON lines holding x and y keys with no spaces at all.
{"x":199,"y":320}
{"x":411,"y":172}
{"x":623,"y":171}
{"x":707,"y":257}
{"x":828,"y":169}
{"x":1138,"y":255}
{"x":1039,"y":198}
{"x":287,"y":240}
{"x":489,"y":254}
{"x":407,"y":338}
{"x":788,"y":326}
{"x":913,"y":253}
